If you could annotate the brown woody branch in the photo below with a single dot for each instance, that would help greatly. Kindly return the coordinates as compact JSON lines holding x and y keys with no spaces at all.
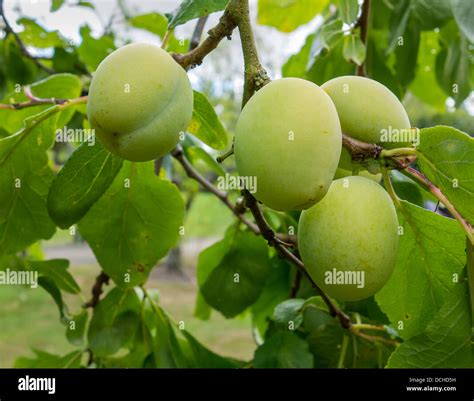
{"x":191,"y":172}
{"x":225,"y":27}
{"x":97,"y":290}
{"x":363,"y":23}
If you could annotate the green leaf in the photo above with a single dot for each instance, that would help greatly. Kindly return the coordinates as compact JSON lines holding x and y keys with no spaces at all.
{"x":287,"y":15}
{"x":376,"y":63}
{"x":203,"y":358}
{"x":463,"y":12}
{"x":76,"y":328}
{"x":152,"y":22}
{"x":56,"y":270}
{"x":86,"y":4}
{"x":52,"y":289}
{"x":236,"y":281}
{"x":430,"y":259}
{"x":446,"y":157}
{"x":35,"y":35}
{"x":81,"y":182}
{"x":406,"y":188}
{"x":424,"y":86}
{"x":296,"y":65}
{"x":324,"y":336}
{"x":134,"y":224}
{"x":178,"y":348}
{"x":205,"y":125}
{"x":446,"y":342}
{"x":354,"y":49}
{"x":190,"y":9}
{"x":92,"y":51}
{"x":283,"y":350}
{"x":196,"y":155}
{"x":56,"y":5}
{"x":329,"y":35}
{"x":325,"y":39}
{"x":276,"y":290}
{"x":17,"y":67}
{"x":431,"y":14}
{"x":24,"y":183}
{"x":115,"y":322}
{"x":453,"y":63}
{"x":328,"y":66}
{"x":349,"y":9}
{"x":398,"y":23}
{"x":289,"y":311}
{"x":406,"y":54}
{"x":45,"y":360}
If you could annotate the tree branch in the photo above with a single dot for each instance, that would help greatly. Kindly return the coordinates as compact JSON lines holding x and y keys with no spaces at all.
{"x":101,"y":280}
{"x":361,"y":150}
{"x":255,"y":75}
{"x":191,"y":172}
{"x":24,"y":50}
{"x":227,"y":23}
{"x":196,"y":38}
{"x":363,"y":23}
{"x":33,"y":101}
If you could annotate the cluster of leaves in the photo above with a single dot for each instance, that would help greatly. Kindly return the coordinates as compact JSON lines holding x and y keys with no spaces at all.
{"x":131,"y":218}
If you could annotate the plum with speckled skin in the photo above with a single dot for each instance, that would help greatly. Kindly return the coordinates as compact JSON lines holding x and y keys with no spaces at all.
{"x":288,"y":136}
{"x":139,"y":101}
{"x":368,"y":111}
{"x":353,"y":229}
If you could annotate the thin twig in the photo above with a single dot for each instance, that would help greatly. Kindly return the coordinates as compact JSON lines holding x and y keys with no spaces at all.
{"x":196,"y":38}
{"x":191,"y":172}
{"x":97,"y":290}
{"x":223,"y":29}
{"x":33,"y":101}
{"x":255,"y":75}
{"x":363,"y":23}
{"x":372,"y":338}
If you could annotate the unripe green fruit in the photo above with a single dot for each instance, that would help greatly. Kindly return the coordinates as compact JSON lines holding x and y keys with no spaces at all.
{"x":352,"y":230}
{"x":288,"y":136}
{"x":139,"y":101}
{"x":369,"y":111}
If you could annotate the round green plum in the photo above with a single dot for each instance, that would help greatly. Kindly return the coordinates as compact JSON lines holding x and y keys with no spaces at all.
{"x":139,"y":101}
{"x":288,"y":138}
{"x":370,"y":112}
{"x":349,"y":241}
